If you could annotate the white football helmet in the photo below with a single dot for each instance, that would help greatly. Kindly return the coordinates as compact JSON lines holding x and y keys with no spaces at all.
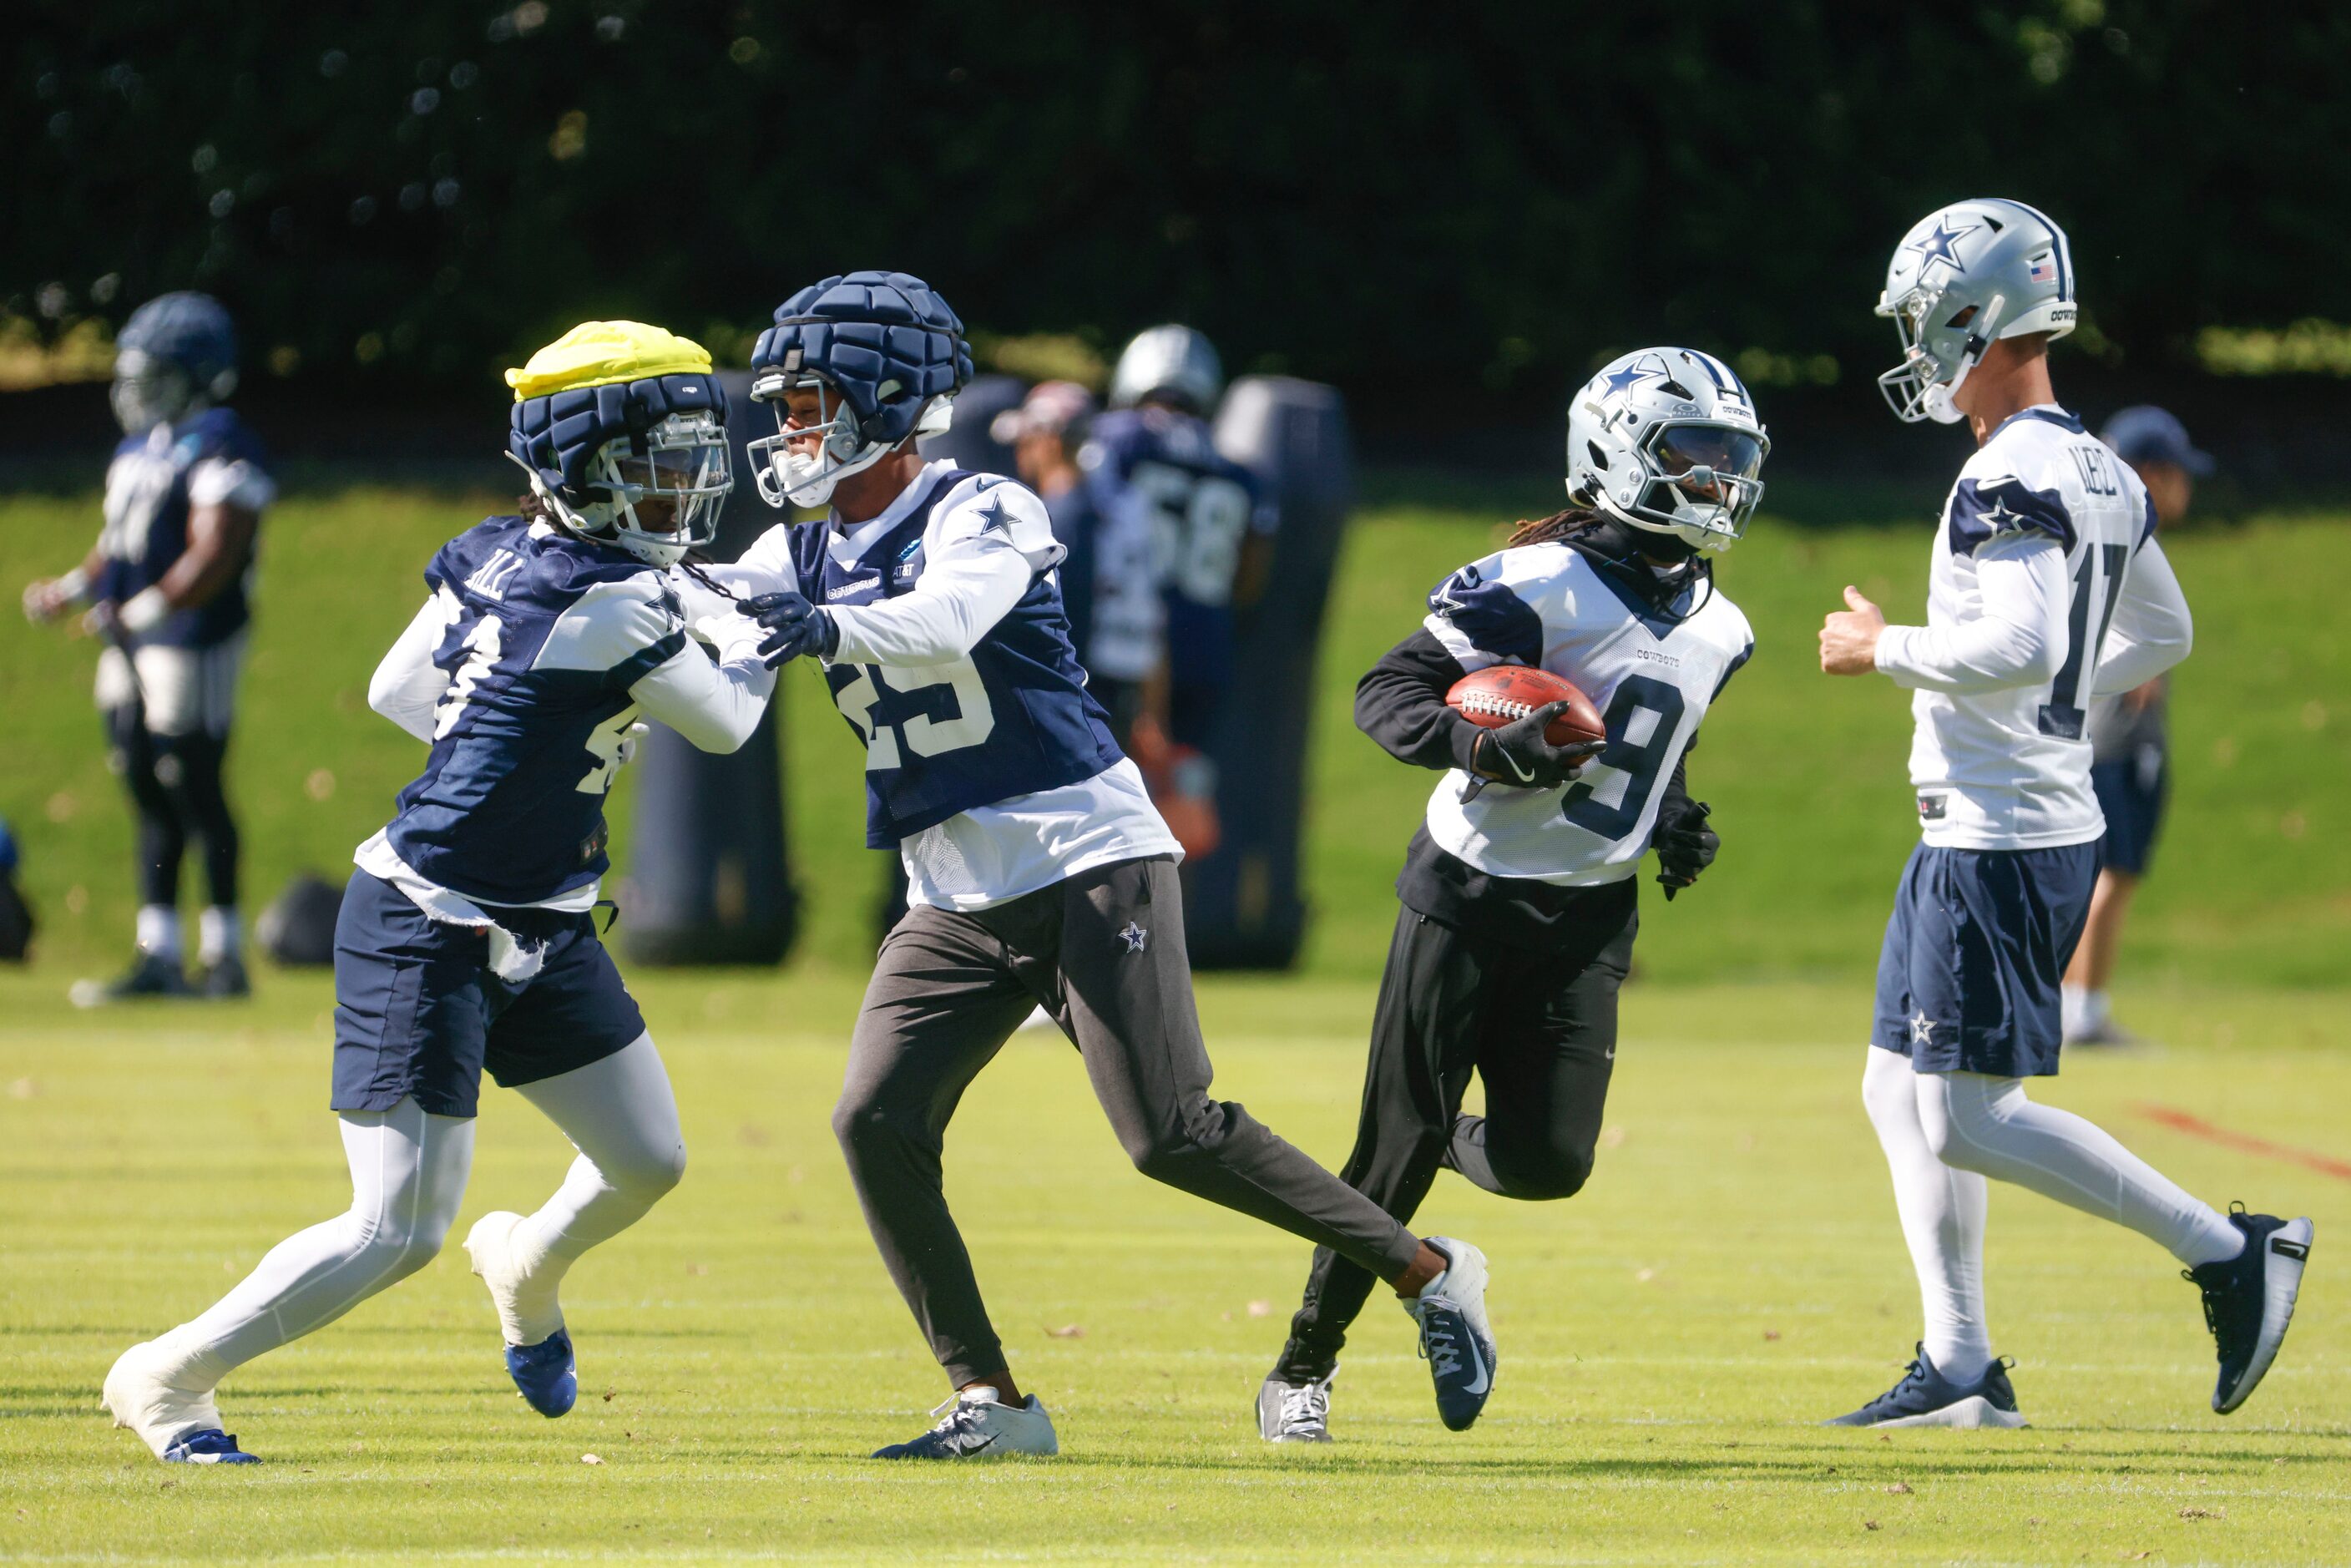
{"x":1961,"y":280}
{"x":1168,"y":361}
{"x":1667,"y":440}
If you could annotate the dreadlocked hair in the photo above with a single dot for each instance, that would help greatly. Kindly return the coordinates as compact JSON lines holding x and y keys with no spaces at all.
{"x":1561,"y":524}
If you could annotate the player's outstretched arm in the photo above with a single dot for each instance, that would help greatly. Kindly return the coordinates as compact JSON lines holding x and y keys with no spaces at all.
{"x":2018,"y":638}
{"x":2152,"y":630}
{"x":716,"y":706}
{"x":407,"y":685}
{"x":1400,"y":702}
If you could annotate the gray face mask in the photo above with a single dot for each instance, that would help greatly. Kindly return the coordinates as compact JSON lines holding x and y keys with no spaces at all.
{"x":148,"y":393}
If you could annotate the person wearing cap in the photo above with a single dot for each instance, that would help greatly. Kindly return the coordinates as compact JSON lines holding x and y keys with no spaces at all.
{"x":1107,"y":586}
{"x":467,"y":941}
{"x":168,"y":588}
{"x":2129,"y":744}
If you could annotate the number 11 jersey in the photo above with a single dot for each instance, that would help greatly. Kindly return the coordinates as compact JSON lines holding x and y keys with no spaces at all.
{"x":1651,"y":673}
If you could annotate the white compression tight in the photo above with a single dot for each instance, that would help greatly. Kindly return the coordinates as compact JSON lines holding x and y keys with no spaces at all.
{"x":1944,"y":1133}
{"x":408,"y":1176}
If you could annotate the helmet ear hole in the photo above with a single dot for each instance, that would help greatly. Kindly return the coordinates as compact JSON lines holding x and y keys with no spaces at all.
{"x":1599,"y":458}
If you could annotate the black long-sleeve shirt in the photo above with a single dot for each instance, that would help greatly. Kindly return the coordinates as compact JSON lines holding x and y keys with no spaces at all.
{"x":1400,"y":702}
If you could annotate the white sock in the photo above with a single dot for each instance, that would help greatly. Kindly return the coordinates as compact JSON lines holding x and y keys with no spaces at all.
{"x":1943,"y":1216}
{"x":2095,"y":1009}
{"x":1988,"y":1124}
{"x":219,"y":933}
{"x":620,"y":1114}
{"x":2069,"y":1009}
{"x":408,"y":1175}
{"x":158,"y":931}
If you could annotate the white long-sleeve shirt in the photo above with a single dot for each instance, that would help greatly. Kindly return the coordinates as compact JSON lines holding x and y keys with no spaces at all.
{"x":2044,"y":589}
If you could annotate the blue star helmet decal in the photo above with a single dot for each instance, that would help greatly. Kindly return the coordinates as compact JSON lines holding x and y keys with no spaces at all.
{"x":1631,"y":376}
{"x":1936,"y":246}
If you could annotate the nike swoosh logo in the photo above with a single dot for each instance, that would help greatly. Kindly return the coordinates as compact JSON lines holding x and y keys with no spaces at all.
{"x":976,"y":1447}
{"x":1526,"y":776}
{"x":1485,"y":1377}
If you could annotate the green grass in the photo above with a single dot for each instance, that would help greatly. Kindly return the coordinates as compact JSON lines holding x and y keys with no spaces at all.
{"x":2252,"y":884}
{"x":1732,"y":1274}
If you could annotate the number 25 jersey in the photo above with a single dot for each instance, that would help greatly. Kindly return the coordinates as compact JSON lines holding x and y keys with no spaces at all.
{"x":1651,"y":676}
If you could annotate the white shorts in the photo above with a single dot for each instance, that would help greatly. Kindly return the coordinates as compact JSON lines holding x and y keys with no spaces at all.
{"x":184,"y":691}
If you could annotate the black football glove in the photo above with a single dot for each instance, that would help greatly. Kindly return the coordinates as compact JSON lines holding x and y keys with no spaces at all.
{"x":1685,"y":846}
{"x":794,"y":627}
{"x":1518,"y":755}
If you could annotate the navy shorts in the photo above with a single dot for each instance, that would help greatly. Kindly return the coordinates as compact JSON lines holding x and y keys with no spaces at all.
{"x":418,"y":1011}
{"x":1975,"y":952}
{"x":2132,"y":794}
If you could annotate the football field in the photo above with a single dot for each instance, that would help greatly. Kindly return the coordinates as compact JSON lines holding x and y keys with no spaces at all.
{"x":1732,"y":1273}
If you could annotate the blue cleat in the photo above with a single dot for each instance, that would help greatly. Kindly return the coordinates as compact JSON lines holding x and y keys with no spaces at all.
{"x":546,"y":1373}
{"x":2249,"y":1300}
{"x":1925,"y":1397}
{"x":1455,"y":1338}
{"x":210,"y":1446}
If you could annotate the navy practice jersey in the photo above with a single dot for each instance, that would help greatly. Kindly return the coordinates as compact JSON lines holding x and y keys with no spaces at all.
{"x":1200,"y":506}
{"x":1011,"y":717}
{"x":547,"y":633}
{"x":152,"y":483}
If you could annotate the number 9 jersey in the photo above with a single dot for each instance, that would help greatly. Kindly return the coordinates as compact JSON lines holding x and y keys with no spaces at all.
{"x":1651,"y":673}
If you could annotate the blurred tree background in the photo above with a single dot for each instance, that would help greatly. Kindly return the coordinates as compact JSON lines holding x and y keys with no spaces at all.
{"x":1466,"y":203}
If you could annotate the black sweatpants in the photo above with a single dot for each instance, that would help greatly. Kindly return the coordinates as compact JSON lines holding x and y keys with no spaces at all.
{"x":1103,"y":953}
{"x":1537,"y":1025}
{"x":177,"y":793}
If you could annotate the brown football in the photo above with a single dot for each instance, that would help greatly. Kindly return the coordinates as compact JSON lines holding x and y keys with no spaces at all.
{"x":1501,"y":694}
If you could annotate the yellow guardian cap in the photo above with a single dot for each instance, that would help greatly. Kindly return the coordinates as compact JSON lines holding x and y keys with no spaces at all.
{"x":600,"y":353}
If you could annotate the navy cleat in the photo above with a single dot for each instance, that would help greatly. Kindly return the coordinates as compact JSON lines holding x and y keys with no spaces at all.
{"x":2249,"y":1300}
{"x":1454,"y":1338}
{"x":224,"y":979}
{"x":1925,"y":1397}
{"x":210,"y":1446}
{"x":546,"y":1373}
{"x":978,"y":1425}
{"x":151,"y":975}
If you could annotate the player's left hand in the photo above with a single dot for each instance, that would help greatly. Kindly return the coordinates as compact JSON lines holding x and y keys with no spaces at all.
{"x":1849,"y":636}
{"x":794,"y":627}
{"x":103,"y":621}
{"x":1685,"y":846}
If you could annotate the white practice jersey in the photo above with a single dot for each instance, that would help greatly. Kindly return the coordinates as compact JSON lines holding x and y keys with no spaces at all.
{"x":2046,"y":587}
{"x":1652,"y":677}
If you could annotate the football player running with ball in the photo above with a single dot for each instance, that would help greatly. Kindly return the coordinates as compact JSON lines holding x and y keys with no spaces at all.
{"x":1519,"y":896}
{"x":2047,"y":587}
{"x":1038,"y":872}
{"x":467,"y":939}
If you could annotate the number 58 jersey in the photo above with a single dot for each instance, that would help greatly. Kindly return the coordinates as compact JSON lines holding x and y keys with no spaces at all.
{"x":1652,"y":674}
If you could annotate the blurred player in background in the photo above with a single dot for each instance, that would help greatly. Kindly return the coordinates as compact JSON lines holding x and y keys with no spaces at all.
{"x":168,"y":585}
{"x":1107,"y":586}
{"x":2046,"y":589}
{"x":1039,"y":872}
{"x":2130,"y":746}
{"x":1157,"y":474}
{"x":467,"y":939}
{"x":1518,"y":900}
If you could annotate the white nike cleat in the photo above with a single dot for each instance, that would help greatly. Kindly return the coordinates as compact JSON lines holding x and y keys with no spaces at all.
{"x":978,"y":1425}
{"x":140,"y":1397}
{"x":1294,"y":1412}
{"x":1456,"y":1339}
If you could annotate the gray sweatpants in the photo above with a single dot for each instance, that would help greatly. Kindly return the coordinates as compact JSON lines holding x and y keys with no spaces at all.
{"x":1103,"y":953}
